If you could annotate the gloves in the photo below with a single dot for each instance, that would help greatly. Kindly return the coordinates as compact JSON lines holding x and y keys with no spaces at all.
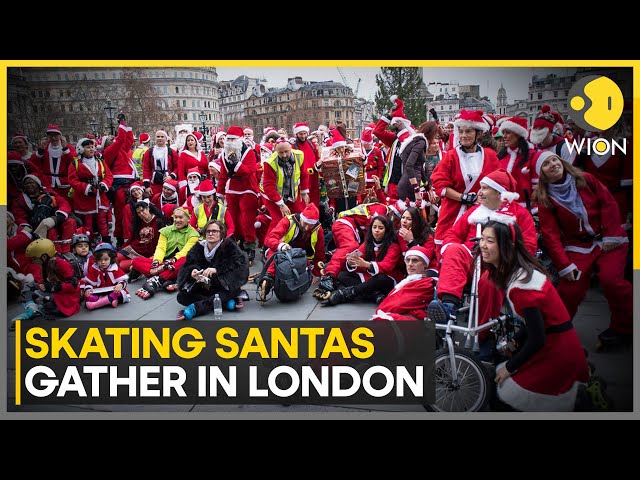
{"x":155,"y":264}
{"x":103,"y":188}
{"x":469,"y":198}
{"x":60,"y":218}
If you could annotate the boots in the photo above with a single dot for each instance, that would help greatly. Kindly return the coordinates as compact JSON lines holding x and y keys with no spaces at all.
{"x":31,"y":310}
{"x":101,"y":302}
{"x":342,"y":295}
{"x":250,"y":248}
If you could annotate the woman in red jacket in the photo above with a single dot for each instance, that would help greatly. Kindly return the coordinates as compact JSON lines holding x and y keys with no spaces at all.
{"x":581,"y":229}
{"x":191,"y":156}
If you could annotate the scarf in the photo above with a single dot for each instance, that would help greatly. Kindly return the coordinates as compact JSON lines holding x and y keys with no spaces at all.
{"x":55,"y":152}
{"x":209,"y":254}
{"x":566,"y":194}
{"x":91,"y":164}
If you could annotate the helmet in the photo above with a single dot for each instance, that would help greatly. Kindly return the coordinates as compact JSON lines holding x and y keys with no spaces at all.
{"x":79,"y":237}
{"x":39,"y":247}
{"x":104,"y":246}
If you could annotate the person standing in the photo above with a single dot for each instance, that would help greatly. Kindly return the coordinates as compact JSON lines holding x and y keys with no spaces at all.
{"x":311,"y":158}
{"x":159,"y":164}
{"x":53,"y":158}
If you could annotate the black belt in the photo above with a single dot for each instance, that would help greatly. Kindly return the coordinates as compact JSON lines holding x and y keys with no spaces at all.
{"x":563,"y":327}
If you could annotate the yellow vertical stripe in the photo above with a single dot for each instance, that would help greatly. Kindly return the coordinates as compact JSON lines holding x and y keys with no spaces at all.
{"x":18,"y":399}
{"x":3,"y":138}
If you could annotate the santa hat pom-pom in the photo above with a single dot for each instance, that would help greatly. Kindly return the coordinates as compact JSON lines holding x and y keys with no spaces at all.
{"x":257,"y":225}
{"x":525,"y":170}
{"x":509,"y":196}
{"x":546,"y":108}
{"x":393,"y":98}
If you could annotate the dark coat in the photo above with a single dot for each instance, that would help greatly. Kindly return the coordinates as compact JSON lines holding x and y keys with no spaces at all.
{"x":231,"y":263}
{"x":413,"y":158}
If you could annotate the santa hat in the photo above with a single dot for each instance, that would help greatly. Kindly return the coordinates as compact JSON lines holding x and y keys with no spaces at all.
{"x":544,"y":154}
{"x":193,"y":171}
{"x":503,"y":182}
{"x":183,"y":128}
{"x":545,"y":118}
{"x":219,"y":135}
{"x":489,"y":120}
{"x":471,"y":119}
{"x":310,"y":214}
{"x":397,"y":112}
{"x":248,"y":130}
{"x":267,"y":147}
{"x":420,"y":252}
{"x":162,"y":132}
{"x":370,"y":126}
{"x":367,"y":136}
{"x":206,"y":188}
{"x":34,"y":178}
{"x":169,"y":208}
{"x":215,"y":164}
{"x":13,"y":157}
{"x":300,"y":127}
{"x":198,"y":136}
{"x":496,"y":133}
{"x":136,"y":185}
{"x":268,"y":130}
{"x":21,"y":135}
{"x":234,"y":132}
{"x":52,"y":128}
{"x":517,"y":125}
{"x":144,"y":137}
{"x":91,"y":136}
{"x":9,"y":214}
{"x":337,"y":140}
{"x":172,"y":184}
{"x":398,"y":207}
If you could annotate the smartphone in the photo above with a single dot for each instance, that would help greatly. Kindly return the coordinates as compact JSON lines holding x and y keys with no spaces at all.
{"x":355,"y":253}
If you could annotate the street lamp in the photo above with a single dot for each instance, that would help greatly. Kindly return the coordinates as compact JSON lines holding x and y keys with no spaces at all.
{"x":109,"y":109}
{"x":94,"y":126}
{"x":203,"y":130}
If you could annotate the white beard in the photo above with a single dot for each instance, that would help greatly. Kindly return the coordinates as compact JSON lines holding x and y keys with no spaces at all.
{"x":233,"y":146}
{"x":538,"y":135}
{"x":193,"y":185}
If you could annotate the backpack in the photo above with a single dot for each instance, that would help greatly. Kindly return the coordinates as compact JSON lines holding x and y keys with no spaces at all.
{"x":293,"y":276}
{"x":76,"y":264}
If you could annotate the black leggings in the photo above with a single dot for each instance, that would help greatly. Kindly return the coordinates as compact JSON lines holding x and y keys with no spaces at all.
{"x":377,"y":284}
{"x":203,"y":299}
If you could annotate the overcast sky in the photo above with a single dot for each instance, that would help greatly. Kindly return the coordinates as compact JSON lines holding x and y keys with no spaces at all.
{"x":515,"y":79}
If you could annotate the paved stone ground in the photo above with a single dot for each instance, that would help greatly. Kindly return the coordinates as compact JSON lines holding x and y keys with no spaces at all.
{"x":592,"y":318}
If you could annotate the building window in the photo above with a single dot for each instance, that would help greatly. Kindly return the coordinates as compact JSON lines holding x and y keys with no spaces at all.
{"x":555,"y":94}
{"x":539,"y":95}
{"x":566,"y":93}
{"x":177,"y":90}
{"x":184,"y":116}
{"x":338,"y":114}
{"x":184,"y":104}
{"x":531,"y":96}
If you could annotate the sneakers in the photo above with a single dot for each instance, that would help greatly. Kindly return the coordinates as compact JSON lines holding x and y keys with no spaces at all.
{"x":442,"y":312}
{"x":189,"y":312}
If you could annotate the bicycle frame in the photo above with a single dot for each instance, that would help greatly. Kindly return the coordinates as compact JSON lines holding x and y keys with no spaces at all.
{"x":473,"y":303}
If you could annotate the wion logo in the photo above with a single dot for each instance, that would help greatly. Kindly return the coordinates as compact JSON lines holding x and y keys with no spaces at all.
{"x":596,"y":104}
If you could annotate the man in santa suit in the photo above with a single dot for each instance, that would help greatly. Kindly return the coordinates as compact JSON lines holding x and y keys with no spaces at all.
{"x":237,"y":183}
{"x":53,"y":159}
{"x":159,"y":164}
{"x":285,"y":183}
{"x":301,"y":230}
{"x":168,"y":196}
{"x":348,"y":233}
{"x":248,"y":139}
{"x":396,"y":138}
{"x":188,"y":189}
{"x":456,"y":178}
{"x":543,"y":137}
{"x":311,"y":158}
{"x":17,"y":168}
{"x":409,"y":298}
{"x":497,"y":193}
{"x":117,"y":157}
{"x":91,"y":179}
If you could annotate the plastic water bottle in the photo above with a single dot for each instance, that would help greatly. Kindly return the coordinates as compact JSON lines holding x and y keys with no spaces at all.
{"x":217,"y":307}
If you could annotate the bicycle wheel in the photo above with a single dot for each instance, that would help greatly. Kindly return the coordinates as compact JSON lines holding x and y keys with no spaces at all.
{"x":473,"y":389}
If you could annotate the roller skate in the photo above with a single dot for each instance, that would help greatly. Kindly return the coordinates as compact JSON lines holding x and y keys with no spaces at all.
{"x":150,"y":287}
{"x":327,"y":285}
{"x":31,"y":310}
{"x":264,"y":287}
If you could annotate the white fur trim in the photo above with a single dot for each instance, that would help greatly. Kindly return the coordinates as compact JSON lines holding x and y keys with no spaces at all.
{"x":542,"y":157}
{"x":281,"y":245}
{"x":616,"y":240}
{"x":527,"y":401}
{"x":341,"y":143}
{"x":208,"y":192}
{"x":509,"y":196}
{"x":393,"y":98}
{"x":416,"y":253}
{"x":514,"y":127}
{"x":308,"y":220}
{"x":169,"y":186}
{"x":482,"y":126}
{"x":502,"y":218}
{"x":480,"y":215}
{"x":257,"y":225}
{"x":536,"y":283}
{"x":300,"y":129}
{"x":375,"y":268}
{"x":493,"y":184}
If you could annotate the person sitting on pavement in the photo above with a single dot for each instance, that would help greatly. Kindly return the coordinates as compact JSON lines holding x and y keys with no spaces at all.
{"x":174,"y":243}
{"x":215,"y":265}
{"x":56,"y":291}
{"x":410,"y":297}
{"x":370,"y":269}
{"x":209,"y":208}
{"x":300,"y":230}
{"x":105,"y":282}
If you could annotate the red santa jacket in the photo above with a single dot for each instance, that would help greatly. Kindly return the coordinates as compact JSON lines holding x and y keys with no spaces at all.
{"x":452,"y":172}
{"x":188,"y":160}
{"x":360,"y":217}
{"x":408,"y":300}
{"x":311,"y":155}
{"x":97,"y":278}
{"x":22,"y":207}
{"x":563,"y":231}
{"x":16,"y":246}
{"x":387,"y":265}
{"x":273,"y":241}
{"x":614,"y":171}
{"x":464,"y":231}
{"x":374,"y":164}
{"x":85,"y":203}
{"x":67,"y":298}
{"x":167,"y":167}
{"x":523,"y":174}
{"x":16,"y":170}
{"x":242,"y":177}
{"x":117,"y":156}
{"x":53,"y":176}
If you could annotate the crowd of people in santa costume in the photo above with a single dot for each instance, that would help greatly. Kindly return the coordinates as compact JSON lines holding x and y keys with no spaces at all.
{"x":86,"y":220}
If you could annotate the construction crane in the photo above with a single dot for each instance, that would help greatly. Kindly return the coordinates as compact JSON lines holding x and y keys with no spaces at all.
{"x":346,"y":84}
{"x":344,"y":79}
{"x":355,"y":94}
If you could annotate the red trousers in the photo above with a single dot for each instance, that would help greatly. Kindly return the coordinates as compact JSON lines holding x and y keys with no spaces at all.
{"x":243,"y":208}
{"x":314,"y":189}
{"x":100,"y":220}
{"x":274,"y":210}
{"x":65,"y":232}
{"x":617,"y":290}
{"x":345,"y":240}
{"x":119,"y":202}
{"x":143,"y":265}
{"x":263,"y":229}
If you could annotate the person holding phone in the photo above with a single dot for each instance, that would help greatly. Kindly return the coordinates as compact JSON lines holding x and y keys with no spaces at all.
{"x":581,"y":228}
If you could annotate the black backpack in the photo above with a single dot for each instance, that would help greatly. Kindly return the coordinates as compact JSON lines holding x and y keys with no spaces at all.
{"x":293,"y":276}
{"x":78,"y":271}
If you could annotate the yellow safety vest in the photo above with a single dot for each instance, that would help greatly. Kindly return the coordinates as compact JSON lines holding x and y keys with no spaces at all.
{"x":298,"y":157}
{"x":295,"y":227}
{"x":137,"y":155}
{"x":359,"y":210}
{"x":201,"y":214}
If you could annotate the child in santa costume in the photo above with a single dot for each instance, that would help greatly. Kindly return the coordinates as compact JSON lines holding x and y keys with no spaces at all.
{"x":582,"y":229}
{"x":106,"y":275}
{"x":548,"y":363}
{"x":456,"y":178}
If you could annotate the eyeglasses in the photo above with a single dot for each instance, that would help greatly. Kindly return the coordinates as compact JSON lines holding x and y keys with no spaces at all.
{"x":211,"y":232}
